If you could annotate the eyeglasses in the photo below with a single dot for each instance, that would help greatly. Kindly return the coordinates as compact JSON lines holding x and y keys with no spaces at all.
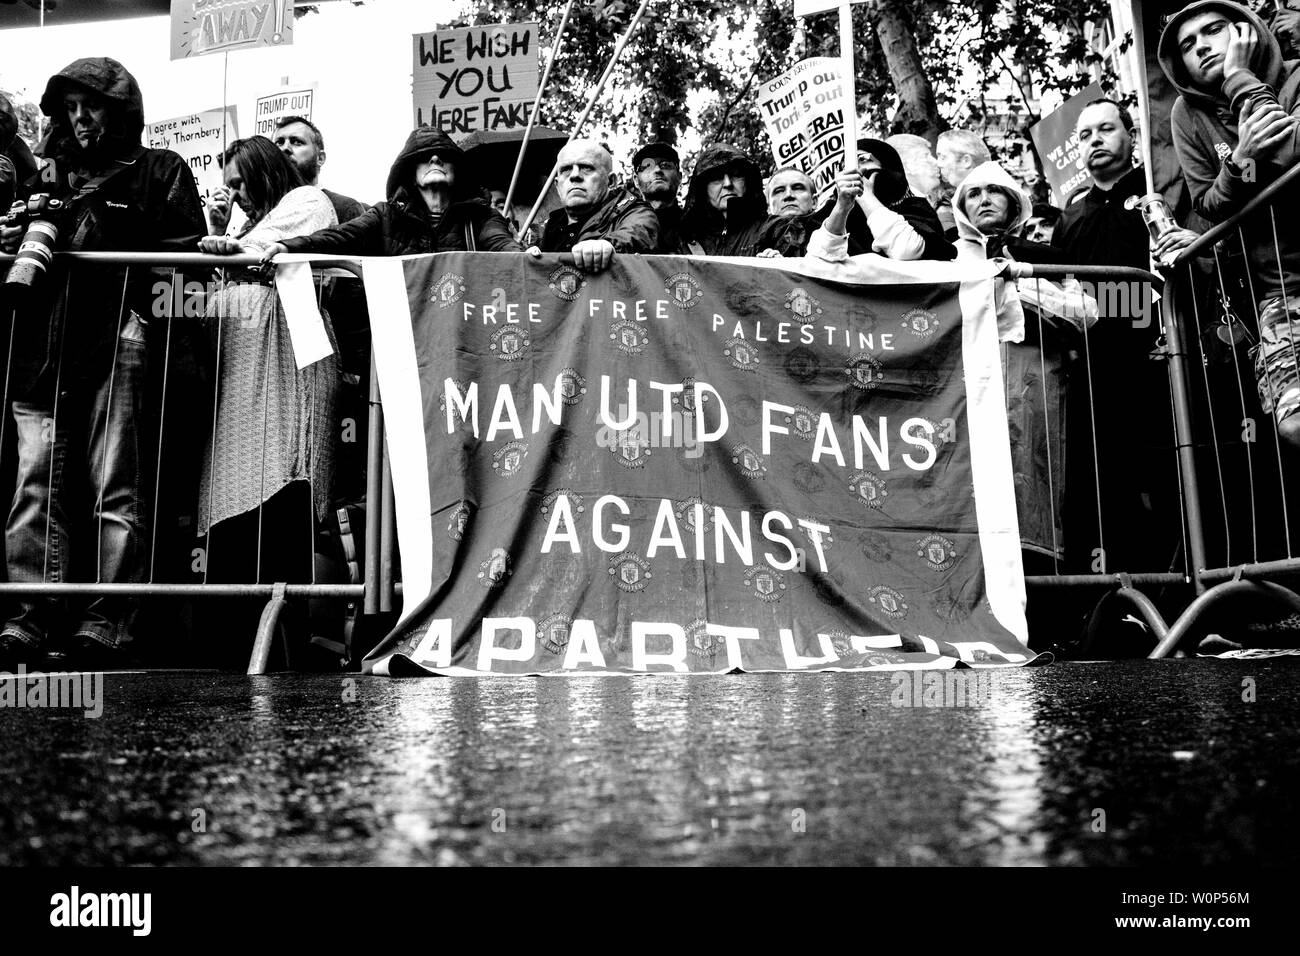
{"x":667,"y":165}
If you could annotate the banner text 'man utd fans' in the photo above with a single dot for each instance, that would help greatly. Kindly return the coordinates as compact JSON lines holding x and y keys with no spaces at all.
{"x":694,"y":465}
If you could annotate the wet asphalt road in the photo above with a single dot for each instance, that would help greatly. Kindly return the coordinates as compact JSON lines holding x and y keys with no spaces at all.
{"x":1138,"y":762}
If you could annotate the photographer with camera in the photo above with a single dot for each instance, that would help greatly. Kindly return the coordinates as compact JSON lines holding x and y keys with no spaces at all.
{"x":80,"y":344}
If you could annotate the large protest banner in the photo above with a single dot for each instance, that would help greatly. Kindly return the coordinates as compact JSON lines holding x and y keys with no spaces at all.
{"x":199,"y":27}
{"x":269,"y":109}
{"x":803,"y":110}
{"x":695,"y":465}
{"x":1058,"y":147}
{"x":198,"y":139}
{"x":474,"y":78}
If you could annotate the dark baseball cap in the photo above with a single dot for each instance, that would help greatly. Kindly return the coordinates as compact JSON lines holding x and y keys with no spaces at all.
{"x":655,"y":151}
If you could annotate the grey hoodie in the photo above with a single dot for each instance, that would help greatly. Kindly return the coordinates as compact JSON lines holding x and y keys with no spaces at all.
{"x":1204,"y":124}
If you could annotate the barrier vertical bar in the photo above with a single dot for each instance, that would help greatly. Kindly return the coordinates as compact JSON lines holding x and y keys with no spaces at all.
{"x":374,"y":492}
{"x":387,"y":537}
{"x":1183,"y":434}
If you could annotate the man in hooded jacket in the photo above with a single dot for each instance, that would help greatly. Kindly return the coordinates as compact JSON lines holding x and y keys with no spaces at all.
{"x":407,"y":223}
{"x":1236,"y":129}
{"x":77,"y":378}
{"x":726,"y":211}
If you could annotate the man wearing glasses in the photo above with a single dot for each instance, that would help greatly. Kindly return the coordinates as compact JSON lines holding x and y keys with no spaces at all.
{"x":659,"y":177}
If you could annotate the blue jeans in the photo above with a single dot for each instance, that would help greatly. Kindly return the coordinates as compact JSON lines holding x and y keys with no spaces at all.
{"x":96,"y":426}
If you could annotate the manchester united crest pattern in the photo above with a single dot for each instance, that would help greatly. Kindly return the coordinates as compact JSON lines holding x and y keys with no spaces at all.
{"x":875,"y":547}
{"x":702,"y":645}
{"x":631,"y":447}
{"x":629,"y":337}
{"x":684,"y":291}
{"x":447,"y":290}
{"x":685,"y":399}
{"x":630,"y":571}
{"x":809,"y":478}
{"x":920,"y":322}
{"x":766,"y":582}
{"x":572,"y":386}
{"x":566,"y":282}
{"x":802,"y":422}
{"x":554,"y":631}
{"x":801,"y":365}
{"x":692,"y":512}
{"x":827,"y":538}
{"x":749,"y":462}
{"x":575,"y":501}
{"x":459,"y":519}
{"x":509,"y":458}
{"x":841,"y":643}
{"x":864,"y":371}
{"x":510,"y":343}
{"x":743,"y":354}
{"x":938,"y":552}
{"x":869,"y":488}
{"x":889,"y":601}
{"x":495,"y":568}
{"x":804,"y":307}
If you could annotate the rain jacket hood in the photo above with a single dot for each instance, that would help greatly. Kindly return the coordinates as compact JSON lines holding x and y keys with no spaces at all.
{"x":108,"y":78}
{"x":1267,"y":63}
{"x":423,"y":142}
{"x":750,"y":208}
{"x":1204,"y":125}
{"x":970,"y":241}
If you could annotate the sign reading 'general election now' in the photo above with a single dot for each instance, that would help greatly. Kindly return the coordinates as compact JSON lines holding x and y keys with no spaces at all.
{"x":686,"y":465}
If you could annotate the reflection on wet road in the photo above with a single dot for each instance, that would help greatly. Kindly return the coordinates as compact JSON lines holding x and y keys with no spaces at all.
{"x":1126,"y":763}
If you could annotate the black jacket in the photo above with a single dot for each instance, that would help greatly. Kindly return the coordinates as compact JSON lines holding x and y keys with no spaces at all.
{"x":402,"y":225}
{"x":121,"y":197}
{"x":670,"y":230}
{"x":1099,"y":227}
{"x":626,"y":220}
{"x":742,"y":228}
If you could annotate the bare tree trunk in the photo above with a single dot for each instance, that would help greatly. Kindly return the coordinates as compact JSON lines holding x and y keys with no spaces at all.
{"x":917,"y":110}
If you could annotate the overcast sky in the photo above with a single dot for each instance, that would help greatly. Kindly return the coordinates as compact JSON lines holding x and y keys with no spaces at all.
{"x":359,"y":56}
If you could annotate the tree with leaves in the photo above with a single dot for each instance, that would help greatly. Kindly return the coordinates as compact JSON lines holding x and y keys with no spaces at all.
{"x":921,"y":66}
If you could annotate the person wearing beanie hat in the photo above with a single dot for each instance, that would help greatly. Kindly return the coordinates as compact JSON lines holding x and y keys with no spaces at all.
{"x":1236,"y":128}
{"x":658,"y":172}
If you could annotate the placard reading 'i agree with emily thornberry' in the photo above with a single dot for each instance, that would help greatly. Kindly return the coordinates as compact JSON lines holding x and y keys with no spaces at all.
{"x":199,"y":140}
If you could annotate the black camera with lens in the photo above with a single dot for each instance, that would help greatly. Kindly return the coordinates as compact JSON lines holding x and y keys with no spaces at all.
{"x":39,"y":216}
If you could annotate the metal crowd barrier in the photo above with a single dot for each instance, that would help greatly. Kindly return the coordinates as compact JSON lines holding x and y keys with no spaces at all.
{"x":1141,"y":590}
{"x":377,"y":590}
{"x":1242,"y":526}
{"x":1113,"y":581}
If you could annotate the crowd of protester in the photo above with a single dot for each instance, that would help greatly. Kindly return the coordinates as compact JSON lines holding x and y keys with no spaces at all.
{"x":272,"y":466}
